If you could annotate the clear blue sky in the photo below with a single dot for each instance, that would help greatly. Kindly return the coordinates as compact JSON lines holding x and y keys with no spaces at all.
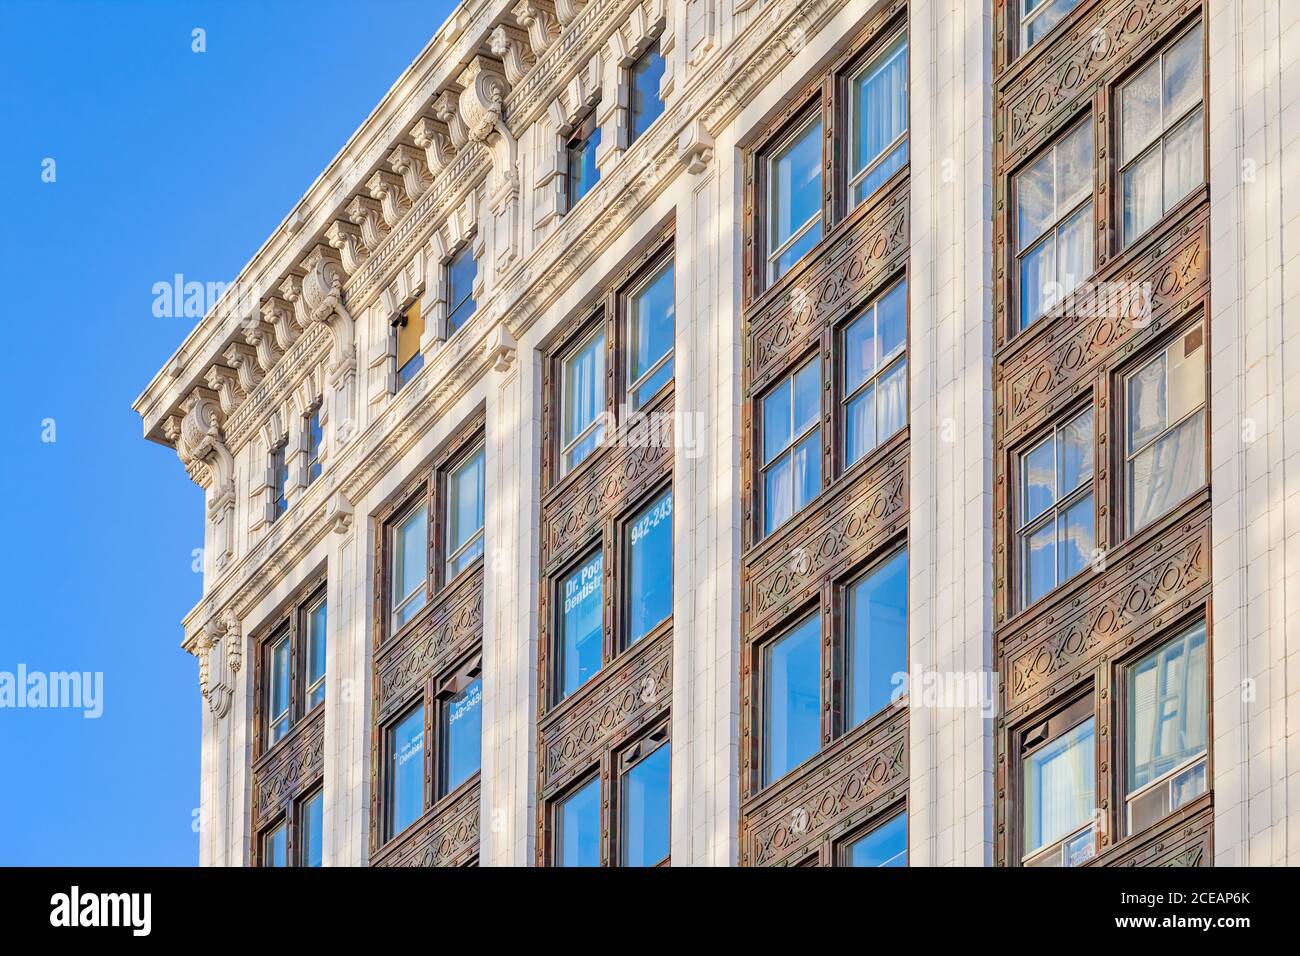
{"x":167,"y":161}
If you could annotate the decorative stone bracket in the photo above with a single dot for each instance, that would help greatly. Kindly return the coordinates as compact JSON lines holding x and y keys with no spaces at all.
{"x":220,"y":652}
{"x":201,"y":447}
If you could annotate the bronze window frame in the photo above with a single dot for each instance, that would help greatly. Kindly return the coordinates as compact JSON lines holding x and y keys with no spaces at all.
{"x":1059,"y":719}
{"x":841,"y":846}
{"x":575,"y":146}
{"x":291,"y":623}
{"x":623,"y":563}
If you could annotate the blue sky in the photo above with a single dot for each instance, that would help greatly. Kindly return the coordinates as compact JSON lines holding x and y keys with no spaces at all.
{"x":166,"y":161}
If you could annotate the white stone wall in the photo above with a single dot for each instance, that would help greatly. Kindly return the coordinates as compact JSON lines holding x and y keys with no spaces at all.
{"x":1254,"y":133}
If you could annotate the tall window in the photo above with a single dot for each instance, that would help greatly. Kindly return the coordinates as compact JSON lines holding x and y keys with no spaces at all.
{"x":885,"y":845}
{"x":791,"y":423}
{"x":1054,"y":222}
{"x":793,"y":171}
{"x":404,"y":744}
{"x":278,"y":479}
{"x":1165,"y":429}
{"x":461,"y":273}
{"x":465,"y":490}
{"x":461,"y":731}
{"x":409,"y":545}
{"x":651,"y":327}
{"x":875,"y":374}
{"x":408,"y":330}
{"x":577,"y":827}
{"x":275,"y":845}
{"x":792,"y":702}
{"x":313,"y":435}
{"x":1037,"y":17}
{"x":1165,"y":729}
{"x":292,"y":667}
{"x":580,"y":157}
{"x":876,"y":637}
{"x":644,"y":103}
{"x":1162,"y":144}
{"x":312,"y":825}
{"x":1059,"y":765}
{"x":1057,"y":518}
{"x":582,"y":400}
{"x":645,"y":803}
{"x":581,"y":630}
{"x":878,"y":120}
{"x":650,"y":568}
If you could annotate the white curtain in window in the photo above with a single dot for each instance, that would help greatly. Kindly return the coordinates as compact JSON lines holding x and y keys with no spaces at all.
{"x":891,"y":399}
{"x":1062,"y":787}
{"x":882,"y":105}
{"x":1167,"y":471}
{"x":586,"y":389}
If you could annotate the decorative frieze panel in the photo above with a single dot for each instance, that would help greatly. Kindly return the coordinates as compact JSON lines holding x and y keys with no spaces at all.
{"x":841,"y":278}
{"x":798,"y":560}
{"x":454,"y":626}
{"x":855,"y":778}
{"x":1185,"y":839}
{"x":447,"y":836}
{"x":636,"y":691}
{"x":292,"y":765}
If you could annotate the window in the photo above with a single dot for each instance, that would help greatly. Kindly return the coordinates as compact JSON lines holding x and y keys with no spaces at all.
{"x":580,"y":159}
{"x":275,"y":846}
{"x":581,"y":644}
{"x":577,"y":827}
{"x":1165,"y":429}
{"x":876,"y":637}
{"x":650,"y":568}
{"x":410,"y":569}
{"x":886,"y":845}
{"x":313,"y":436}
{"x":878,"y":120}
{"x":1054,"y":223}
{"x":644,"y":104}
{"x":1059,"y":765}
{"x":791,"y":424}
{"x":794,"y":197}
{"x":465,"y":490}
{"x":312,"y":817}
{"x":405,"y":747}
{"x":1165,"y":729}
{"x":791,"y":699}
{"x":651,"y":328}
{"x":1037,"y":17}
{"x":645,"y":803}
{"x":1162,"y":145}
{"x":461,"y":273}
{"x":875,"y":374}
{"x":1057,"y":524}
{"x":462,"y":732}
{"x":582,"y":401}
{"x":408,"y":330}
{"x":291,"y":666}
{"x":278,"y":479}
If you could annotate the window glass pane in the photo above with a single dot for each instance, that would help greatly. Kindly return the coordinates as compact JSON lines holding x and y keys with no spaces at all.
{"x":313,"y":831}
{"x":778,"y":494}
{"x":462,"y":721}
{"x":408,"y":338}
{"x":891,"y":399}
{"x":406,"y":771}
{"x":1073,"y":254}
{"x":807,"y":396}
{"x":1186,"y":362}
{"x":892,"y":321}
{"x":886,"y":845}
{"x":1037,"y":272}
{"x":1166,"y":708}
{"x":797,"y":250}
{"x":1184,"y":76}
{"x":583,"y":171}
{"x":645,"y":76}
{"x":1146,"y":403}
{"x":1052,"y":12}
{"x":860,"y":349}
{"x":1075,"y":449}
{"x":1040,"y":561}
{"x":650,"y":568}
{"x":646,"y":808}
{"x":275,"y":847}
{"x":410,"y":570}
{"x":1184,"y":156}
{"x":1075,"y":163}
{"x":652,"y":313}
{"x":886,"y":167}
{"x":279,"y":689}
{"x":792,"y":699}
{"x":1140,"y":112}
{"x":1037,"y":480}
{"x":465,"y":489}
{"x":1167,"y":471}
{"x":1035,"y":200}
{"x":807,"y":469}
{"x":314,"y":438}
{"x":461,"y":274}
{"x":577,"y":824}
{"x":581,"y":625}
{"x":1060,"y":786}
{"x":776,"y":421}
{"x":316,"y":638}
{"x":1142,"y":195}
{"x":880,"y":114}
{"x":584,"y":399}
{"x":795,"y":178}
{"x":860,"y":424}
{"x":1076,"y":537}
{"x":876,"y":614}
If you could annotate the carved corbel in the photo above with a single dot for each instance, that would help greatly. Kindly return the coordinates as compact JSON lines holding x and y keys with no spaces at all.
{"x":279,"y":315}
{"x":538,"y":20}
{"x":387,"y":188}
{"x":695,"y":147}
{"x":225,"y":382}
{"x":432,"y":137}
{"x":409,"y":164}
{"x":220,"y":654}
{"x":501,"y":348}
{"x":482,"y":106}
{"x":323,"y":293}
{"x":339,"y":513}
{"x":568,"y":10}
{"x":511,"y":45}
{"x":291,"y":289}
{"x":261,"y":336}
{"x":346,"y":238}
{"x":366,"y":213}
{"x":243,"y":359}
{"x":447,"y":108}
{"x":201,"y":447}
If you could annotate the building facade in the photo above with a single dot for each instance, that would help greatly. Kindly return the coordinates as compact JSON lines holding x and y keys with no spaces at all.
{"x":748,"y":432}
